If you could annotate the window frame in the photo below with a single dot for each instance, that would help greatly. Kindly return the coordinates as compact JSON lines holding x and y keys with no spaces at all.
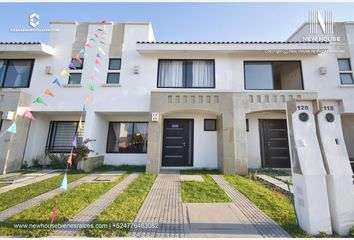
{"x":345,"y":71}
{"x":76,"y":73}
{"x":272,"y":64}
{"x":114,"y":70}
{"x":82,"y":64}
{"x":119,"y":122}
{"x":211,"y":119}
{"x":186,"y":60}
{"x":6,"y":69}
{"x":49,"y":136}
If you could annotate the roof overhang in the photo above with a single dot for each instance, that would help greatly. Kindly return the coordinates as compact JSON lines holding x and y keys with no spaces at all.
{"x":265,"y":48}
{"x":26,"y":49}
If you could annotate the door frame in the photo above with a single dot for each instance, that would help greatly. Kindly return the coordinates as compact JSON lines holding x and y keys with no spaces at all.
{"x":191,"y":147}
{"x":262,"y":139}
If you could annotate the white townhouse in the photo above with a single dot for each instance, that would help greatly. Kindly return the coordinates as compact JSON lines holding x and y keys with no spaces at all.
{"x":166,"y":104}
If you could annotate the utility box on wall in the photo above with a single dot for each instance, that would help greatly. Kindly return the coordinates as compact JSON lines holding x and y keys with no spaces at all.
{"x":308,"y":171}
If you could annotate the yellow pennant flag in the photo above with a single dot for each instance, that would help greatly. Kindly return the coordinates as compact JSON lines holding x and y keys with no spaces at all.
{"x":80,"y":127}
{"x":101,"y":50}
{"x":65,"y":73}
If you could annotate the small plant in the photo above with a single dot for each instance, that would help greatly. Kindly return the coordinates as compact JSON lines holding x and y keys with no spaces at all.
{"x":36,"y":163}
{"x":82,"y":150}
{"x":24,"y":165}
{"x":351,"y":234}
{"x":57,"y":160}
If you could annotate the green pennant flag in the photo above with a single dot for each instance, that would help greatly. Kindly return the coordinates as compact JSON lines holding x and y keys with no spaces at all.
{"x":39,"y":100}
{"x":91,"y":88}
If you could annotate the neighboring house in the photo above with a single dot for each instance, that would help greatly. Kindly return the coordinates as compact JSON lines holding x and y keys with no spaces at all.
{"x":168,"y":104}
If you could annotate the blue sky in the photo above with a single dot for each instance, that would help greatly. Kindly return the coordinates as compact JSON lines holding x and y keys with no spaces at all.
{"x":176,"y":21}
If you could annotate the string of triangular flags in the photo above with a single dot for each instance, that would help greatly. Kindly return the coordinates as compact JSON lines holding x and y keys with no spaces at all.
{"x":98,"y":39}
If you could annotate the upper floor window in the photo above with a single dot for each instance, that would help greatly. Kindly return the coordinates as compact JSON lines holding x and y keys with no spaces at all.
{"x":186,"y":74}
{"x":279,"y":75}
{"x":15,"y":73}
{"x":113,"y":74}
{"x":75,"y":66}
{"x":345,"y":71}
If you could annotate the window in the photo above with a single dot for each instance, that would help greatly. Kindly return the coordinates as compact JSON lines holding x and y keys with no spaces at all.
{"x":209,"y":124}
{"x":113,"y":74}
{"x":127,"y":137}
{"x":114,"y":64}
{"x":279,"y":75}
{"x":75,"y":78}
{"x":345,"y":71}
{"x":76,"y":64}
{"x":186,"y":74}
{"x":15,"y":73}
{"x":61,"y":135}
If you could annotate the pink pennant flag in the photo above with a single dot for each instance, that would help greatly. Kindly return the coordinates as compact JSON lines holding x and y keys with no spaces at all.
{"x":28,"y":114}
{"x":77,"y":57}
{"x":70,"y":159}
{"x":93,"y":77}
{"x":98,"y":62}
{"x":54,"y":215}
{"x":87,"y":45}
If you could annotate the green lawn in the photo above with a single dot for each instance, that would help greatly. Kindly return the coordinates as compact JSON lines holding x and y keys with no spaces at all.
{"x":69,"y":203}
{"x":274,"y":204}
{"x":3,"y":184}
{"x":127,"y":168}
{"x":123,"y":209}
{"x":21,"y":194}
{"x":203,"y":192}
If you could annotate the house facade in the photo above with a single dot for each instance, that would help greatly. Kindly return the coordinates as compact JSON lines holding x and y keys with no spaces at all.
{"x":166,"y":104}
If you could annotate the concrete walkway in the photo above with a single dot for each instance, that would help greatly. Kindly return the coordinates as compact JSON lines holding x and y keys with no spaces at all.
{"x":12,"y":211}
{"x":29,"y":181}
{"x":90,"y":213}
{"x":276,"y":182}
{"x":264,"y":224}
{"x":161,"y":212}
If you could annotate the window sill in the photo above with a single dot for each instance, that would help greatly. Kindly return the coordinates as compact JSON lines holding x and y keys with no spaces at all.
{"x":346,"y":86}
{"x":71,"y":85}
{"x":111,"y":85}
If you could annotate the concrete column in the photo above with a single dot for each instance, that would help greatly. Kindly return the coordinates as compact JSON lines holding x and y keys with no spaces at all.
{"x":241,"y":105}
{"x":154,"y":151}
{"x":226,"y":143}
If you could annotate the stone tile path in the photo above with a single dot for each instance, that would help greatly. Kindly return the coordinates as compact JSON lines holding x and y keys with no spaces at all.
{"x":264,"y":224}
{"x":27,"y":182}
{"x":217,"y":220}
{"x":91,"y":212}
{"x":162,"y":209}
{"x":276,"y":182}
{"x":12,"y":211}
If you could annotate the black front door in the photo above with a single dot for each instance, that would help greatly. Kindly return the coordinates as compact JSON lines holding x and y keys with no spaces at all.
{"x":177,"y":142}
{"x":274,"y":143}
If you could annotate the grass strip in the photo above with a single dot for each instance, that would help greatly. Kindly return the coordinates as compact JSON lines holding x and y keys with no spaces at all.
{"x":22,"y":194}
{"x":203,"y":192}
{"x":274,"y":204}
{"x":69,"y":203}
{"x":124,"y":209}
{"x":3,"y":185}
{"x":199,"y":171}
